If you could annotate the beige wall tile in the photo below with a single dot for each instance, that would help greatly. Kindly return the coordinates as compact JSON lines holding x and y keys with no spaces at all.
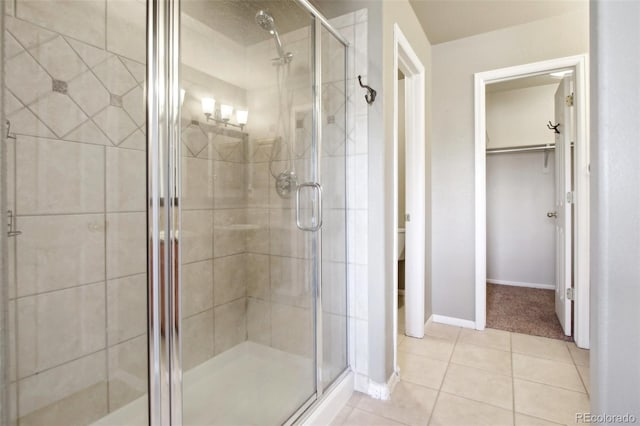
{"x":230,"y":185}
{"x":58,"y":58}
{"x":258,"y":233}
{"x":127,"y":372}
{"x":197,"y":183}
{"x":55,"y":252}
{"x":84,"y":20}
{"x":26,"y":79}
{"x":88,"y":93}
{"x":198,"y":339}
{"x":115,"y":123}
{"x":258,"y":276}
{"x":59,"y":177}
{"x":409,"y":404}
{"x":126,"y":308}
{"x":197,"y":234}
{"x":259,"y":321}
{"x":453,"y":410}
{"x":114,"y":75}
{"x":27,"y":34}
{"x":291,"y":329}
{"x":291,"y":281}
{"x":197,"y":290}
{"x":421,"y":370}
{"x":487,"y":359}
{"x":479,"y":385}
{"x":57,"y":327}
{"x":259,"y":180}
{"x":126,"y":28}
{"x":548,"y":402}
{"x":334,"y":350}
{"x":540,"y":347}
{"x":496,"y":339}
{"x":126,"y":180}
{"x":334,"y":235}
{"x":286,"y":238}
{"x":54,"y":385}
{"x":229,"y":279}
{"x":547,"y":371}
{"x":229,"y":232}
{"x":126,"y":244}
{"x":334,"y":287}
{"x":58,"y":112}
{"x":230,"y":322}
{"x":134,"y":103}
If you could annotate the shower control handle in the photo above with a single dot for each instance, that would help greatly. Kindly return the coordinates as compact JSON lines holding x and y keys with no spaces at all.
{"x":318,"y":190}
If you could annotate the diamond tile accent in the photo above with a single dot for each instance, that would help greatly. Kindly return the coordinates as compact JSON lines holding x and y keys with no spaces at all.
{"x":59,"y":113}
{"x":89,"y":93}
{"x":28,"y":35}
{"x":133,"y":103}
{"x":59,"y":59}
{"x":115,"y":76}
{"x":115,"y":100}
{"x":92,"y":56}
{"x":115,"y":123}
{"x":26,"y":78}
{"x":59,"y":86}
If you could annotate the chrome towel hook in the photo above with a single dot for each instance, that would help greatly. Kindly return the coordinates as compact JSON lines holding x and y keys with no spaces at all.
{"x":370,"y":96}
{"x":553,"y":127}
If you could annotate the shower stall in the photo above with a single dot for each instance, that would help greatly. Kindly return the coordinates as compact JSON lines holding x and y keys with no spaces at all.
{"x":175,"y":188}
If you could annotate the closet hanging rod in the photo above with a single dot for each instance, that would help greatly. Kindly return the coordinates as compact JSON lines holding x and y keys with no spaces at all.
{"x":542,"y":147}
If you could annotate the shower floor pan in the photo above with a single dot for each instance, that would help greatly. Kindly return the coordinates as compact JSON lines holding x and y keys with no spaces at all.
{"x":250,"y":384}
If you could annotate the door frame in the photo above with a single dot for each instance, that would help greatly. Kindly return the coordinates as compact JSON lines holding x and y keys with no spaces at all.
{"x":405,"y":59}
{"x":581,"y":185}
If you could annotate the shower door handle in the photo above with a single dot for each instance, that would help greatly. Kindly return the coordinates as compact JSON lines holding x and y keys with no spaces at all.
{"x":316,"y":219}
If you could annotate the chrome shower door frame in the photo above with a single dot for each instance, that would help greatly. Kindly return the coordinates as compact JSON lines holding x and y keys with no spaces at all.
{"x":164,"y":214}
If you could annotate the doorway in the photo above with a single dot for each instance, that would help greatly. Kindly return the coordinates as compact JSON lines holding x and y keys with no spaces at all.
{"x":572,"y":273}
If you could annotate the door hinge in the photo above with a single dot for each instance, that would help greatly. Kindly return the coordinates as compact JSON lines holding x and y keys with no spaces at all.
{"x":571,"y":293}
{"x":569,"y":100}
{"x":570,"y":197}
{"x":407,"y":217}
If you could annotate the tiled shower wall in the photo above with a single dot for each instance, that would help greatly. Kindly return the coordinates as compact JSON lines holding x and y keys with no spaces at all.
{"x":76,"y":179}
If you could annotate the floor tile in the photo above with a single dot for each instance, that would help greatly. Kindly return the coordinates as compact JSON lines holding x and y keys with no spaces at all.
{"x":548,"y":402}
{"x":421,"y":370}
{"x":362,"y":418}
{"x":496,"y":339}
{"x":580,"y":356}
{"x":547,"y":371}
{"x":479,"y":385}
{"x":410,"y":404}
{"x":443,"y":331}
{"x":452,"y":410}
{"x":522,"y":420}
{"x":428,"y":346}
{"x":342,"y":416}
{"x":585,"y":373}
{"x":540,"y":347}
{"x":483,"y":358}
{"x":355,"y":398}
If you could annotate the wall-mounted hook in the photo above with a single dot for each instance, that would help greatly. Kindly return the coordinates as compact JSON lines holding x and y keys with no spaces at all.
{"x":370,"y":96}
{"x":9,"y":135}
{"x":553,"y":127}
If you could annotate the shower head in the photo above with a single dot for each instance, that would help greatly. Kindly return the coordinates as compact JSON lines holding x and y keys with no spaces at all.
{"x":267,"y":23}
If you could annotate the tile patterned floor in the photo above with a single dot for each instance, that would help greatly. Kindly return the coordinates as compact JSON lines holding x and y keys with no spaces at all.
{"x":463,"y":377}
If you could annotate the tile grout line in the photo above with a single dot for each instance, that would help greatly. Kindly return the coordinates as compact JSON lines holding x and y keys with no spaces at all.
{"x":435,"y":403}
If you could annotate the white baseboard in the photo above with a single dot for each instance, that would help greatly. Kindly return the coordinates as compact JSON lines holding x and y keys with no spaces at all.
{"x":458,"y":322}
{"x":522,"y":284}
{"x":383,"y":390}
{"x":332,"y":403}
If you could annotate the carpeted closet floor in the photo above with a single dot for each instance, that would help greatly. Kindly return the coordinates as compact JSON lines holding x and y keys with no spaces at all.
{"x":523,"y":310}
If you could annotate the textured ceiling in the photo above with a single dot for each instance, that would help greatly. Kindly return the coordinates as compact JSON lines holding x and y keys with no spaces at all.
{"x":446,"y":20}
{"x":236,"y":18}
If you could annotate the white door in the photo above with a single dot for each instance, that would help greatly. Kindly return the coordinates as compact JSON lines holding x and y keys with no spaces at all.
{"x":563,"y":116}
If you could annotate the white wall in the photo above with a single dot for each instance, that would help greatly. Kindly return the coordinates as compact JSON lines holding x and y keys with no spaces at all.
{"x":615,"y":209}
{"x":454,"y":64}
{"x":401,"y":155}
{"x":520,"y":236}
{"x":519,"y":117}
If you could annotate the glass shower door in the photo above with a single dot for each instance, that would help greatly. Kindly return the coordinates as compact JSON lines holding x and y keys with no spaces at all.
{"x":248,"y":269}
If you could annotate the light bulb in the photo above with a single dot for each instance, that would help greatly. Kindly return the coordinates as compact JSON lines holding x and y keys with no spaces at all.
{"x":208,"y":106}
{"x":226,"y":111}
{"x":182,"y":93}
{"x":242,"y":116}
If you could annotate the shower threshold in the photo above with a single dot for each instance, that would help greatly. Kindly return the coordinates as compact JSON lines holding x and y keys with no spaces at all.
{"x":249,"y":384}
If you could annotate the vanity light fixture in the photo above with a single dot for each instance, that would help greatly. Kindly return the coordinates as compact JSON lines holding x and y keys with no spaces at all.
{"x":223,"y":114}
